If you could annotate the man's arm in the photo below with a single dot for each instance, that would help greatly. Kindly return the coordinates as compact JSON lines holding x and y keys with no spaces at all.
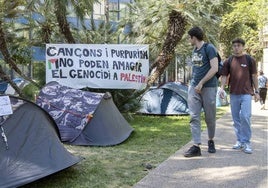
{"x":212,"y":71}
{"x":223,"y":81}
{"x":255,"y":82}
{"x":256,"y":87}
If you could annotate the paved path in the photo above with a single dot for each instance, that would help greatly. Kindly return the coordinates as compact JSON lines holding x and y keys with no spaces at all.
{"x":227,"y":168}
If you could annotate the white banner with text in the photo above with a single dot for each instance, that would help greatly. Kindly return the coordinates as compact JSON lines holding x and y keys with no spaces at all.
{"x":113,"y":66}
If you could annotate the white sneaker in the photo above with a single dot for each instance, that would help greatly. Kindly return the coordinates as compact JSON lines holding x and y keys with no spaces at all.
{"x":238,"y":145}
{"x":247,"y":149}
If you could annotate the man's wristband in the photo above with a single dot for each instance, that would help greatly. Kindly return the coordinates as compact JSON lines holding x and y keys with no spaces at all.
{"x":256,"y":92}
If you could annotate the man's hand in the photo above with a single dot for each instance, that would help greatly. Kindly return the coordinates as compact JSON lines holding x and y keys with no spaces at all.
{"x":222,"y":93}
{"x":256,"y":97}
{"x":198,"y":88}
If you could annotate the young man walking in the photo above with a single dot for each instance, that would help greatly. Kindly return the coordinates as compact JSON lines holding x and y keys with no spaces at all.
{"x":263,"y":84}
{"x":243,"y":85}
{"x":202,"y":90}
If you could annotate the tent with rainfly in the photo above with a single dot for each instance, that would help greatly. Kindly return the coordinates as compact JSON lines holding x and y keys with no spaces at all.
{"x":30,"y":147}
{"x":84,"y":118}
{"x":168,"y":99}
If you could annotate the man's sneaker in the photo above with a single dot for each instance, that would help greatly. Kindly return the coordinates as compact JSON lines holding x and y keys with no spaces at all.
{"x":238,"y":145}
{"x":193,"y":152}
{"x":247,"y":148}
{"x":211,"y":146}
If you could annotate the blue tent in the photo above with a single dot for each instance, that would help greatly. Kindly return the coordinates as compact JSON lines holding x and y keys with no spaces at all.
{"x":3,"y":86}
{"x":168,"y":99}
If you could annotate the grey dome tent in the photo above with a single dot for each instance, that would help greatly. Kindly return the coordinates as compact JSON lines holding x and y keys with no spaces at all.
{"x":84,"y":118}
{"x":168,"y":99}
{"x":32,"y":149}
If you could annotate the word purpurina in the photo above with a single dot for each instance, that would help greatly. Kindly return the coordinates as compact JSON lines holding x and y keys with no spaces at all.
{"x":136,"y":54}
{"x":104,"y":66}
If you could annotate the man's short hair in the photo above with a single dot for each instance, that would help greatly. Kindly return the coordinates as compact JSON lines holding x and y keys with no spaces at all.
{"x":196,"y":32}
{"x":239,"y":40}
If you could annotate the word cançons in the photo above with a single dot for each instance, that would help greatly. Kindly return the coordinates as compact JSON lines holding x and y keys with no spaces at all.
{"x":69,"y":52}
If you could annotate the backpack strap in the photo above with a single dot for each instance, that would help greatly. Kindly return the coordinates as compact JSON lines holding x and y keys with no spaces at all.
{"x":205,"y":48}
{"x":249,"y":61}
{"x":230,"y":59}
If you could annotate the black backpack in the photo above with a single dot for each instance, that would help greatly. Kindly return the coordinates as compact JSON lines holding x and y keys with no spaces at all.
{"x":220,"y":63}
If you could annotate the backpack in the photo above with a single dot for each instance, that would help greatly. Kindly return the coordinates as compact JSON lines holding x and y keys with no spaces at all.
{"x":249,"y":62}
{"x":220,"y":63}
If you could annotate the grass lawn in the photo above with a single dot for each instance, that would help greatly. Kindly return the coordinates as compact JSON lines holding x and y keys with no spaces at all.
{"x":154,"y":140}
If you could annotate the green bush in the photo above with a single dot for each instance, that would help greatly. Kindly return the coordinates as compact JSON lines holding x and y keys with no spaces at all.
{"x":30,"y":91}
{"x":39,"y":73}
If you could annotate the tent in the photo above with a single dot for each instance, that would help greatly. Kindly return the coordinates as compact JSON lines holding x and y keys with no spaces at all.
{"x":168,"y":99}
{"x":6,"y":88}
{"x":30,"y":148}
{"x":3,"y":86}
{"x":21,"y":83}
{"x":84,"y":118}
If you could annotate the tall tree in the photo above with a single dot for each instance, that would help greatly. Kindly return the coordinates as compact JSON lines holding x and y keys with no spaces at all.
{"x":246,"y":19}
{"x":162,"y":24}
{"x":62,"y":9}
{"x":61,"y":15}
{"x":10,"y":10}
{"x":176,"y":29}
{"x":81,"y":9}
{"x":169,"y":19}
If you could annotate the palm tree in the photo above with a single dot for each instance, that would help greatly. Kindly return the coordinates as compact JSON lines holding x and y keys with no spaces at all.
{"x":61,"y":15}
{"x":81,"y":9}
{"x":10,"y":10}
{"x":176,"y":29}
{"x":170,"y":19}
{"x":162,"y":24}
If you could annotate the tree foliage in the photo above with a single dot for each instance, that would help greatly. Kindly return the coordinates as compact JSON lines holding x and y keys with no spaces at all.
{"x":245,"y":20}
{"x":11,"y":55}
{"x":149,"y":21}
{"x":161,"y":24}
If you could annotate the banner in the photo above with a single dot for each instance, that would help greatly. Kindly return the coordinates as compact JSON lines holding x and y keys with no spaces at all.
{"x":116,"y":66}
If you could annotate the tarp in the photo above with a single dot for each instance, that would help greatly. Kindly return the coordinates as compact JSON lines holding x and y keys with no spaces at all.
{"x":84,"y":118}
{"x":34,"y":149}
{"x":168,"y":99}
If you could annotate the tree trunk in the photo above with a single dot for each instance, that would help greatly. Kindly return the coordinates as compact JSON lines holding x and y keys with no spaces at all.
{"x":176,"y":29}
{"x":8,"y":59}
{"x":60,"y":12}
{"x":47,"y":31}
{"x":5,"y":77}
{"x":107,"y":20}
